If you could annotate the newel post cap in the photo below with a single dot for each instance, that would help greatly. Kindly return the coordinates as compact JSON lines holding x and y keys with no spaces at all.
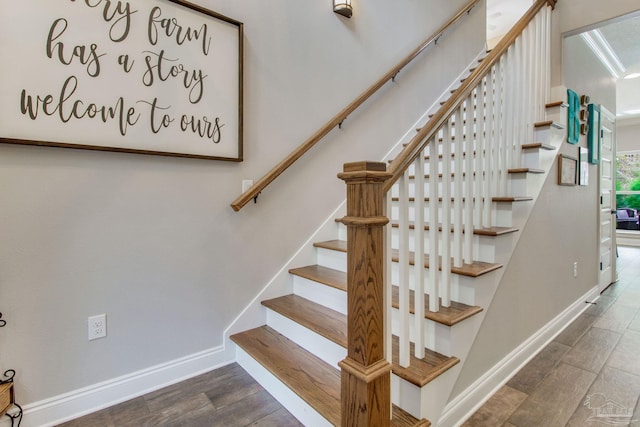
{"x":365,"y":171}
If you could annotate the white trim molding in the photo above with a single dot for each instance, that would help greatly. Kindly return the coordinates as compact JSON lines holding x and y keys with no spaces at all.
{"x":68,"y":406}
{"x":466,"y":403}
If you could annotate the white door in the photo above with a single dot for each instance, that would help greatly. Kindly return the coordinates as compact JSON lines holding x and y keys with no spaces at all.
{"x":607,"y":233}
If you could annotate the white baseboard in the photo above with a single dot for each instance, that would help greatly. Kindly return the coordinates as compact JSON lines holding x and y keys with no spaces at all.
{"x":84,"y":401}
{"x":467,"y":402}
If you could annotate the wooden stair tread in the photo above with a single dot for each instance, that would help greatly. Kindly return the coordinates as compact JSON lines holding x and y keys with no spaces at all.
{"x":491,"y":231}
{"x":525,"y":170}
{"x":421,"y":371}
{"x":557,"y":104}
{"x":477,"y":268}
{"x":315,"y":381}
{"x":334,"y":245}
{"x":493,"y":199}
{"x":548,"y":123}
{"x":535,"y":145}
{"x":327,"y":276}
{"x":511,"y":199}
{"x":333,"y":326}
{"x":448,"y":316}
{"x":538,"y":146}
{"x":324,"y":321}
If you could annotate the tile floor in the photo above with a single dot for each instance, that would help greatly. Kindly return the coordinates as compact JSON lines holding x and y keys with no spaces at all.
{"x":589,"y":375}
{"x":586,"y":374}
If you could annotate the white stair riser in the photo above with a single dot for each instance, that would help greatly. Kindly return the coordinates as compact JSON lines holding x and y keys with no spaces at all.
{"x":286,"y":397}
{"x":444,"y":339}
{"x":332,"y":298}
{"x":424,"y":402}
{"x":412,"y":193}
{"x":314,"y":343}
{"x":332,"y":259}
{"x":558,"y":115}
{"x":463,"y":288}
{"x":531,"y":159}
{"x":395,"y":211}
{"x":550,"y":135}
{"x":483,"y":246}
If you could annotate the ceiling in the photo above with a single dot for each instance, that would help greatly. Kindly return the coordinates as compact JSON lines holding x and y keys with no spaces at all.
{"x":622,"y":35}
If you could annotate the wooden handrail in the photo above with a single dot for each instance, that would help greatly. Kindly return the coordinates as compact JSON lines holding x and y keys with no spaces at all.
{"x":263,"y":182}
{"x":427,"y":132}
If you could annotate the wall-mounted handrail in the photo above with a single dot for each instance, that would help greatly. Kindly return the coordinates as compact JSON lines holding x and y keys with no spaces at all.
{"x":276,"y":171}
{"x":418,"y":143}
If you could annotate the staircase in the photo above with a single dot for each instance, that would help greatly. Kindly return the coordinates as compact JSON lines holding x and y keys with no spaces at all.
{"x":467,"y":191}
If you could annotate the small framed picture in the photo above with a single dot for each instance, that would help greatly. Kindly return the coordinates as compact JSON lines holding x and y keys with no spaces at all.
{"x":583,"y":173}
{"x":567,"y":170}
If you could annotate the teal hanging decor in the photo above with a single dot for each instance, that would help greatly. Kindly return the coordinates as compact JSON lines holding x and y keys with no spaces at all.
{"x":573,"y":120}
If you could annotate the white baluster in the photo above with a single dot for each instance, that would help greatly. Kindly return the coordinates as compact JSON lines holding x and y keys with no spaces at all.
{"x":445,"y":235}
{"x":434,"y":291}
{"x":481,"y":156}
{"x":519,"y":96}
{"x":468,"y":192}
{"x":547,"y":54}
{"x":489,"y":167}
{"x":403,"y":266}
{"x":457,"y":188}
{"x":418,"y":272}
{"x":388,"y":283}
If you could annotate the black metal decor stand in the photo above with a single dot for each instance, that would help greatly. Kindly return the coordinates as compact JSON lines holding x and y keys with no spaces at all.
{"x":7,"y":377}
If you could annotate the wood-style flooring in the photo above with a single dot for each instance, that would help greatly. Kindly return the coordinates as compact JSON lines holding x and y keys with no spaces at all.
{"x":589,"y":375}
{"x":585,"y":374}
{"x":226,"y":397}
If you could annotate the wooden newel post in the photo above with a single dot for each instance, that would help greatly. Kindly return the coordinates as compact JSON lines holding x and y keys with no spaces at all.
{"x":366,"y":374}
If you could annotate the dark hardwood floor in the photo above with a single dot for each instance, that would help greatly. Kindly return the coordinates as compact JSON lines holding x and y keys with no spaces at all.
{"x":592,"y":365}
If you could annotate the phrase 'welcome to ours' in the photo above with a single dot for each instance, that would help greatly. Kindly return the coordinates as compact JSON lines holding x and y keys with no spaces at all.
{"x":155,"y":65}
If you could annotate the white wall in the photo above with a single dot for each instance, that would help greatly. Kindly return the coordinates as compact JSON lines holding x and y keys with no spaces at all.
{"x":628,"y":134}
{"x":152,"y":242}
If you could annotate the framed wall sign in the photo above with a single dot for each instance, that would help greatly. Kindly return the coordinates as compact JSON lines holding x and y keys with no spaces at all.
{"x":567,"y":170}
{"x":593,"y":138}
{"x":147,"y":76}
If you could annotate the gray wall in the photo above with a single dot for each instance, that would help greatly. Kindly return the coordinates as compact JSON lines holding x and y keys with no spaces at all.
{"x":152,"y":242}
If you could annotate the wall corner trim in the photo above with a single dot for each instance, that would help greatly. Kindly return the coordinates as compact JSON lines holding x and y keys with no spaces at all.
{"x":467,"y":402}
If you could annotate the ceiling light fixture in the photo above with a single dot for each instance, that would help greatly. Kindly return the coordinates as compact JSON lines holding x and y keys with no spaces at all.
{"x":632,"y":76}
{"x":601,"y":48}
{"x":343,"y":7}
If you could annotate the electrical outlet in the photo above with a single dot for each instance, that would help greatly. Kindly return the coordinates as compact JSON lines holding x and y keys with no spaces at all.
{"x":246,"y":184}
{"x":575,"y":269}
{"x":97,"y":326}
